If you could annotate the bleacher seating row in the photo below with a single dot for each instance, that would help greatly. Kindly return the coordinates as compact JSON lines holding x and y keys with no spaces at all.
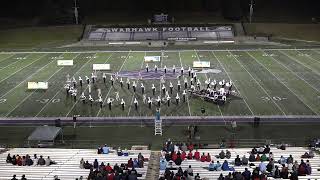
{"x":199,"y":167}
{"x":68,"y":161}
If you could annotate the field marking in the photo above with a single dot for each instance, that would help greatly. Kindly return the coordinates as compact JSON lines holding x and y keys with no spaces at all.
{"x":12,"y":63}
{"x":7,"y":57}
{"x":265,"y":91}
{"x":137,"y":84}
{"x":23,"y":68}
{"x":104,"y":100}
{"x":26,"y":79}
{"x":29,"y":95}
{"x":234,"y":83}
{"x":180,"y":50}
{"x":288,"y":87}
{"x":310,"y":57}
{"x":43,"y":107}
{"x":293,"y":58}
{"x":294,"y":73}
{"x":183,"y":76}
{"x":210,"y":82}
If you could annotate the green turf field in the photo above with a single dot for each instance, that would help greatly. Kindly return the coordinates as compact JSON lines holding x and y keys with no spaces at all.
{"x":267,"y":82}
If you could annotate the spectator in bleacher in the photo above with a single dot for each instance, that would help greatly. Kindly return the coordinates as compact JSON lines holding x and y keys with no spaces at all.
{"x":41,"y":161}
{"x":125,"y":152}
{"x":108,"y":168}
{"x":23,"y":161}
{"x":258,"y":158}
{"x":245,"y":160}
{"x":237,"y":176}
{"x":262,"y":167}
{"x":87,"y":165}
{"x":19,"y":160}
{"x":14,"y":160}
{"x":276,"y":172}
{"x":190,"y":156}
{"x":99,"y":150}
{"x":270,"y":165}
{"x":119,"y":152}
{"x":167,"y":156}
{"x":95,"y":164}
{"x":294,"y":176}
{"x":176,"y":147}
{"x":254,"y":151}
{"x":221,"y":177}
{"x":225,"y":166}
{"x":260,"y":150}
{"x":218,"y":166}
{"x":163,"y":164}
{"x":228,"y":154}
{"x":295,"y":166}
{"x":309,"y":154}
{"x":14,"y":177}
{"x":228,"y":177}
{"x":178,"y":161}
{"x":35,"y":159}
{"x":197,"y":177}
{"x":23,"y":177}
{"x":196,"y":155}
{"x":211,"y":166}
{"x":81,"y":163}
{"x":308,"y":169}
{"x":203,"y":158}
{"x":282,"y":160}
{"x":266,"y":150}
{"x":29,"y":161}
{"x":208,"y":158}
{"x":9,"y":158}
{"x":110,"y":176}
{"x":252,"y":158}
{"x":290,"y":159}
{"x":255,"y":173}
{"x":174,"y":156}
{"x":135,"y":163}
{"x":271,"y":156}
{"x":190,"y":171}
{"x":130,"y":163}
{"x":49,"y":161}
{"x":183,"y":155}
{"x":237,"y":161}
{"x":263,"y":157}
{"x":102,"y":166}
{"x":190,"y":147}
{"x":105,"y":149}
{"x":221,"y":155}
{"x":246,"y":174}
{"x":284,"y":172}
{"x":184,"y":147}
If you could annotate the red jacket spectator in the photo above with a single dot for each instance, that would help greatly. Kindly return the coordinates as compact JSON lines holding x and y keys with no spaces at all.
{"x":190,"y":147}
{"x":130,"y":163}
{"x":183,"y":155}
{"x":108,"y":168}
{"x":208,"y":158}
{"x":203,"y":158}
{"x":197,"y":155}
{"x":190,"y":156}
{"x":110,"y":176}
{"x":174,"y":156}
{"x":19,"y":161}
{"x":258,"y":157}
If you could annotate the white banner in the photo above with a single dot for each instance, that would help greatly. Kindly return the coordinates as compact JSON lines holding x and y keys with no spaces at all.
{"x":65,"y":62}
{"x":201,"y":64}
{"x":152,"y":59}
{"x":37,"y":85}
{"x":101,"y":66}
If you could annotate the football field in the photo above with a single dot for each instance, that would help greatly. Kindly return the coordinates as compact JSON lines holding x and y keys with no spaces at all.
{"x":266,"y":83}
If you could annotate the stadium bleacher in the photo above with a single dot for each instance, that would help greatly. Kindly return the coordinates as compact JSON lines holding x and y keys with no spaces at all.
{"x":199,"y":167}
{"x":67,"y":160}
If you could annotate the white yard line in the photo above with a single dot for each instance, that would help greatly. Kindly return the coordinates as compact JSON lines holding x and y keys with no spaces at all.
{"x":12,"y":63}
{"x":137,"y":84}
{"x":23,"y":67}
{"x":207,"y":79}
{"x":74,"y":104}
{"x":60,"y":88}
{"x":183,"y":85}
{"x":26,"y":79}
{"x":317,"y":61}
{"x":29,"y":95}
{"x":296,"y":60}
{"x":245,"y":97}
{"x":293,"y":73}
{"x":257,"y":83}
{"x":285,"y":84}
{"x":111,"y":87}
{"x":7,"y":57}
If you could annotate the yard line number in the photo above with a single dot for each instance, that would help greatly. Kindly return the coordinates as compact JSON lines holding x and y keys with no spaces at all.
{"x":45,"y":101}
{"x":3,"y":101}
{"x":275,"y":98}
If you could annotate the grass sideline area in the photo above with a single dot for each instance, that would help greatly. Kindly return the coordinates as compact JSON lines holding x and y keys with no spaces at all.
{"x":36,"y":37}
{"x":267,"y":82}
{"x":308,"y":32}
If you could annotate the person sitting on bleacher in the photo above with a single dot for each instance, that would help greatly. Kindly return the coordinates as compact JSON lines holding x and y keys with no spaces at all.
{"x":255,"y":173}
{"x":245,"y":160}
{"x":237,"y":161}
{"x":183,"y":155}
{"x":262,"y":167}
{"x":108,"y":168}
{"x":105,"y":149}
{"x":208,"y":158}
{"x":41,"y":161}
{"x":81,"y":163}
{"x":246,"y":174}
{"x":284,"y":174}
{"x":260,"y":150}
{"x":23,"y":177}
{"x":178,"y":160}
{"x":49,"y":161}
{"x":282,"y":160}
{"x":29,"y":161}
{"x":221,"y":177}
{"x":218,"y":166}
{"x":225,"y":166}
{"x":9,"y":158}
{"x":263,"y":157}
{"x":276,"y":172}
{"x":228,"y":154}
{"x":135,"y":163}
{"x":221,"y":155}
{"x":203,"y":158}
{"x":163,"y":164}
{"x":252,"y":158}
{"x":95,"y":164}
{"x":196,"y":155}
{"x":102,"y":166}
{"x":14,"y":177}
{"x":174,"y":156}
{"x":119,"y":152}
{"x":130,"y":163}
{"x":184,"y":147}
{"x":189,"y":171}
{"x":19,"y":160}
{"x":290,"y":159}
{"x":309,"y":170}
{"x":270,"y":166}
{"x":271,"y":156}
{"x":309,"y":154}
{"x":266,"y":150}
{"x":211,"y":166}
{"x":87,"y":165}
{"x":99,"y":150}
{"x":125,"y":152}
{"x":254,"y":151}
{"x":190,"y":156}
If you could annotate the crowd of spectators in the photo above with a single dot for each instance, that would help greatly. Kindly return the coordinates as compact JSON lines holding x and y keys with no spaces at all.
{"x":28,"y":161}
{"x":124,"y":171}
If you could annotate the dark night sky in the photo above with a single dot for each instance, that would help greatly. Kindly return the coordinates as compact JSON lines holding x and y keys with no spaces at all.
{"x":49,"y":8}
